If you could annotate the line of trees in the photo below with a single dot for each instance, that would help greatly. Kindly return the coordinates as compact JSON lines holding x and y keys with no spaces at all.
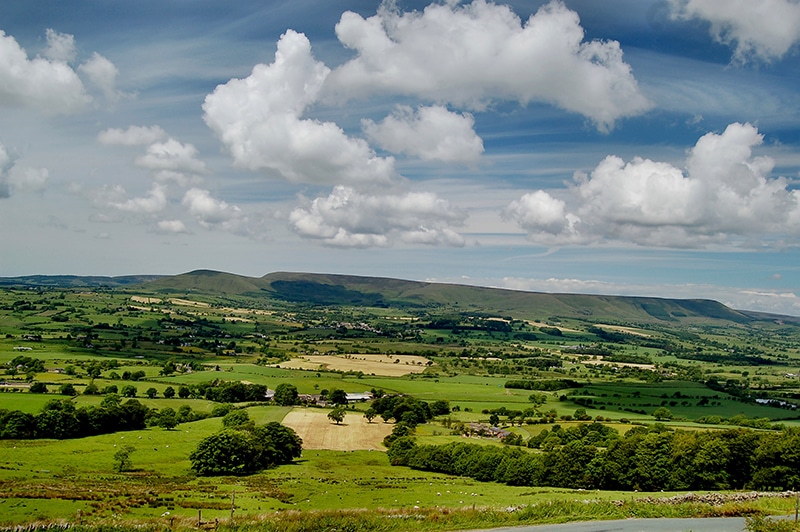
{"x":646,"y":458}
{"x":60,"y":419}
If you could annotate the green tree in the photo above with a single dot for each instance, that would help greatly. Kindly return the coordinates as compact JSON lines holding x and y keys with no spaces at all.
{"x":370,"y":414}
{"x":338,"y":397}
{"x":184,"y":392}
{"x":167,"y":419}
{"x":129,"y":390}
{"x":91,"y":389}
{"x":151,"y":393}
{"x":662,"y":414}
{"x":286,"y":394}
{"x":67,"y":389}
{"x":287,"y":444}
{"x":122,"y":459}
{"x":230,"y":452}
{"x":337,"y":414}
{"x":236,"y":419}
{"x":169,"y":392}
{"x":38,"y":387}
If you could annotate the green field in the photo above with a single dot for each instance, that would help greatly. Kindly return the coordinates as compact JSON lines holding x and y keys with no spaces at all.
{"x":623,"y":365}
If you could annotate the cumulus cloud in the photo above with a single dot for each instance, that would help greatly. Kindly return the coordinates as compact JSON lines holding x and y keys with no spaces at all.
{"x":103,"y":74}
{"x":209,"y":211}
{"x":133,"y":136}
{"x":5,"y":164}
{"x":725,"y":196}
{"x":172,"y":226}
{"x":171,"y":156}
{"x":60,"y":46}
{"x":154,"y":201}
{"x":764,"y":30}
{"x":49,"y":85}
{"x":16,"y":178}
{"x":430,"y":133}
{"x":348,"y":218}
{"x":258,"y":120}
{"x":473,"y":54}
{"x":28,"y":179}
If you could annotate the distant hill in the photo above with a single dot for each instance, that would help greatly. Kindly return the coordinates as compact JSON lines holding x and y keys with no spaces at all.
{"x":75,"y":281}
{"x":331,"y":290}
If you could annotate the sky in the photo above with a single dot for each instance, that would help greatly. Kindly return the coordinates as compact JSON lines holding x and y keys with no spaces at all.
{"x":629,"y":147}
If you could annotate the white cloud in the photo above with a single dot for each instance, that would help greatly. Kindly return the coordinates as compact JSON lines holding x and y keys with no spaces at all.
{"x":470,"y":55}
{"x":16,"y":178}
{"x":48,"y":85}
{"x":348,"y":218}
{"x":432,"y":133}
{"x":5,"y":164}
{"x":210,"y":212}
{"x":60,"y":46}
{"x":103,"y":74}
{"x":133,"y":136}
{"x":28,"y":179}
{"x":725,"y":196}
{"x":173,"y":156}
{"x":172,"y":226}
{"x":540,"y":212}
{"x":764,"y":30}
{"x":258,"y":119}
{"x":154,"y":201}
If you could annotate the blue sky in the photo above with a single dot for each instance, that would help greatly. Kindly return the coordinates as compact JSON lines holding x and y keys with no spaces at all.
{"x":628,"y":147}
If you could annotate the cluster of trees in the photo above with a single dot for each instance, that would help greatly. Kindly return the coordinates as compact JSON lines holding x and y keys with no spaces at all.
{"x":60,"y":419}
{"x":242,"y":448}
{"x":404,"y":408}
{"x":646,"y":459}
{"x":229,"y":391}
{"x":543,"y":385}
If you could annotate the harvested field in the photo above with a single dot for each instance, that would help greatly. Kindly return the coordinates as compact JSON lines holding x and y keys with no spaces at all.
{"x":387,"y":365}
{"x":353,"y":434}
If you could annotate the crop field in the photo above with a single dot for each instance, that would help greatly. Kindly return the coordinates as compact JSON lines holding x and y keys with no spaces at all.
{"x":385,"y":365}
{"x":354,"y":433}
{"x":178,"y":352}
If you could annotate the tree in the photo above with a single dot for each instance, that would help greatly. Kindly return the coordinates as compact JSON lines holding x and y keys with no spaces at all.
{"x":337,"y":414}
{"x":338,"y":397}
{"x":169,"y":392}
{"x":151,"y":393}
{"x":662,"y":414}
{"x":230,"y":452}
{"x":167,"y":419}
{"x":122,"y":459}
{"x":236,"y":419}
{"x":440,"y":408}
{"x":67,"y":389}
{"x":285,"y":394}
{"x":38,"y":387}
{"x":129,"y":390}
{"x":287,"y":444}
{"x":241,"y":452}
{"x":91,"y":389}
{"x":494,"y":420}
{"x":370,"y":414}
{"x":184,"y":392}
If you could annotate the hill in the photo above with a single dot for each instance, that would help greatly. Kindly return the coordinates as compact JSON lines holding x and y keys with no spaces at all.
{"x":331,"y":289}
{"x":349,"y":290}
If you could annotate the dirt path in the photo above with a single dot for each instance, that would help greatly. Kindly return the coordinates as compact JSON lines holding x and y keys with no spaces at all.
{"x":353,"y":434}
